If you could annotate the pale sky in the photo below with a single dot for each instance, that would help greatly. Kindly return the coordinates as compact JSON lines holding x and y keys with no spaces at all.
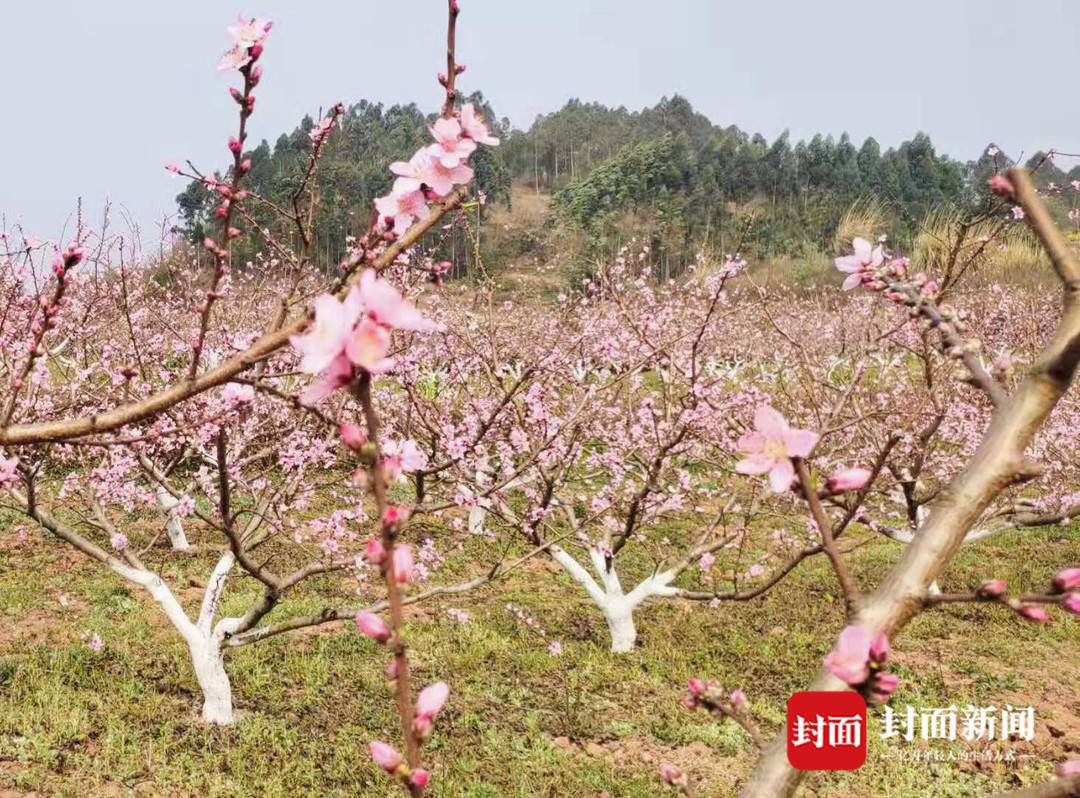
{"x":99,"y":95}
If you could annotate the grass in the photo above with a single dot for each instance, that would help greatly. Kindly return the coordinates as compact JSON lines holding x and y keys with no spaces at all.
{"x":520,"y":722}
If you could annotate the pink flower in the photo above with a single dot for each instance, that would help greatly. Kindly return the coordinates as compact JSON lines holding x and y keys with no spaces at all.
{"x":994,"y":588}
{"x":95,"y":643}
{"x":770,"y":447}
{"x":1017,"y":212}
{"x":337,"y":375}
{"x":866,"y":258}
{"x":473,"y":127}
{"x":404,"y":569}
{"x":373,"y":626}
{"x":419,"y":778}
{"x":1002,"y":186}
{"x":238,"y":394}
{"x":330,"y":332}
{"x":236,"y":58}
{"x":847,"y":479}
{"x":1066,"y":769}
{"x":849,"y":660}
{"x":249,"y":32}
{"x":118,"y":540}
{"x":352,"y":436}
{"x":555,"y":648}
{"x":706,"y":561}
{"x":172,"y":168}
{"x":1067,"y":580}
{"x":9,"y":473}
{"x":451,"y":148}
{"x":432,"y":699}
{"x":386,"y":306}
{"x":1072,"y":603}
{"x":1033,"y":612}
{"x":425,"y":169}
{"x":368,"y":347}
{"x":401,"y":206}
{"x":670,"y":774}
{"x":375,"y":551}
{"x":385,"y":756}
{"x":738,"y":699}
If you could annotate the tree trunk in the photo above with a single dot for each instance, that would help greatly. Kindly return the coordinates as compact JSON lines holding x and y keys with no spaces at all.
{"x":620,"y":621}
{"x":209,"y":664}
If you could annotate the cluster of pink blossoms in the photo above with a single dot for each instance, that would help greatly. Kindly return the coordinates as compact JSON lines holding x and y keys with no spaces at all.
{"x":248,"y":36}
{"x":871,"y":268}
{"x":857,"y":660}
{"x":434,"y":170}
{"x":354,"y":334}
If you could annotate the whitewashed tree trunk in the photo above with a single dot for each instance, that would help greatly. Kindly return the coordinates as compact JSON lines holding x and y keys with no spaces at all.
{"x":173,"y":525}
{"x":204,"y":640}
{"x":209,"y":664}
{"x":614,"y":604}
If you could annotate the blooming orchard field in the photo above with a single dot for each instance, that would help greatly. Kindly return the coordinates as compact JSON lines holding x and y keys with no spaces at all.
{"x":271,"y":529}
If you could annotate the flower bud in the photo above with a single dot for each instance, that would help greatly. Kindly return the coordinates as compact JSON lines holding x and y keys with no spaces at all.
{"x":1002,"y":186}
{"x":352,"y":436}
{"x":419,"y":778}
{"x":879,"y":648}
{"x":1033,"y":612}
{"x":738,"y":700}
{"x":671,"y":775}
{"x":847,"y":479}
{"x":373,"y":626}
{"x":375,"y":552}
{"x":1072,"y":603}
{"x":403,"y":563}
{"x":995,"y":588}
{"x":385,"y":756}
{"x":1067,"y":580}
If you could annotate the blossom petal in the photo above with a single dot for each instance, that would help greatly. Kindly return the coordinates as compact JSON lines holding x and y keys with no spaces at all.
{"x":781,"y":476}
{"x":800,"y":442}
{"x":755,"y":464}
{"x":770,"y":423}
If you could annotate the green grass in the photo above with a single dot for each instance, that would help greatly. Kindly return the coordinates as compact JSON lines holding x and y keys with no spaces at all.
{"x":520,"y":722}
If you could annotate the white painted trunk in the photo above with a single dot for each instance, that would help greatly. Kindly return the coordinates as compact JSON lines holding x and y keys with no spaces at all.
{"x":173,"y":525}
{"x":206,"y":657}
{"x":623,"y":631}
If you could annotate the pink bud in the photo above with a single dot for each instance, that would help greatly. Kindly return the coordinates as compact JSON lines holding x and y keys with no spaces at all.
{"x":234,"y":232}
{"x":209,"y":243}
{"x":373,"y":626}
{"x":255,"y":50}
{"x":392,"y":669}
{"x":419,"y":778}
{"x":1067,"y":580}
{"x":385,"y":756}
{"x":256,"y":75}
{"x":394,"y":515}
{"x":432,"y":699}
{"x":884,"y":685}
{"x":234,"y":145}
{"x":1002,"y":186}
{"x":738,"y":699}
{"x":995,"y":588}
{"x":879,"y":648}
{"x":1033,"y":612}
{"x":236,"y":95}
{"x":670,"y":774}
{"x":403,"y":563}
{"x":375,"y":551}
{"x":245,"y":166}
{"x":1072,"y":603}
{"x":847,"y":479}
{"x":697,"y":687}
{"x":1066,"y":769}
{"x":352,"y":436}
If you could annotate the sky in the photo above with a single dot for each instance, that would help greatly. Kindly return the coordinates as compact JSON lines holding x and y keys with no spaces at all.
{"x":99,"y":95}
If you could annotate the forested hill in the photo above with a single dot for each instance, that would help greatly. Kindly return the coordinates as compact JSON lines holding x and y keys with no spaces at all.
{"x":668,"y":172}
